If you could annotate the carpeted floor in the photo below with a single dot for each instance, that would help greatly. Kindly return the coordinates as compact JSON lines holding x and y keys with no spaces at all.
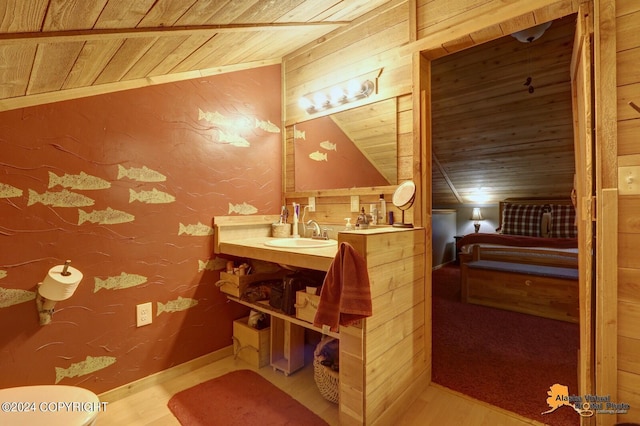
{"x":239,"y":398}
{"x":507,"y":359}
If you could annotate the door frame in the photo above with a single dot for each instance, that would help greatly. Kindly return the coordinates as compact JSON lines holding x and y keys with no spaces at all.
{"x":422,"y":136}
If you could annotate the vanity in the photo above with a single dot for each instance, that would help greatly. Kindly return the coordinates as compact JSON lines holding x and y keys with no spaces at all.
{"x":383,"y":364}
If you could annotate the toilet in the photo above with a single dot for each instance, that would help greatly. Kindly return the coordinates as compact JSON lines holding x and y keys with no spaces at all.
{"x":50,"y":405}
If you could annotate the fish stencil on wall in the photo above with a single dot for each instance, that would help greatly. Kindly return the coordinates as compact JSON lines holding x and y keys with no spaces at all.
{"x":64,"y":198}
{"x":213,"y":117}
{"x":14,"y":296}
{"x":118,"y":282}
{"x":140,"y":174}
{"x":299,"y":134}
{"x":212,"y":264}
{"x":151,"y":197}
{"x":179,"y":304}
{"x":8,"y":191}
{"x":80,"y":181}
{"x":197,"y":230}
{"x":328,"y":146}
{"x":228,"y":137}
{"x":89,"y":365}
{"x":233,"y":139}
{"x":318,"y":156}
{"x":267,"y":126}
{"x":107,"y":216}
{"x":243,"y":208}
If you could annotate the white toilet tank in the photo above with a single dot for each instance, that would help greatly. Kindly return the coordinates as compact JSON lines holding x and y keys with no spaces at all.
{"x":50,"y":405}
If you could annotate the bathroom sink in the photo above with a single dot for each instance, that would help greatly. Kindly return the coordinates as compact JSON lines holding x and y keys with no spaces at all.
{"x":300,"y":243}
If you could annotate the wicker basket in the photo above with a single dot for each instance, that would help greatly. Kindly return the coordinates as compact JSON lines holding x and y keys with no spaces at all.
{"x":326,"y":379}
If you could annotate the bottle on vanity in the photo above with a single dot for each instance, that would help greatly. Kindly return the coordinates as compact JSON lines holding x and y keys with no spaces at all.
{"x":382,"y":210}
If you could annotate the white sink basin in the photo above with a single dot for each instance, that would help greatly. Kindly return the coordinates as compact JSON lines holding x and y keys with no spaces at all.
{"x":300,"y":243}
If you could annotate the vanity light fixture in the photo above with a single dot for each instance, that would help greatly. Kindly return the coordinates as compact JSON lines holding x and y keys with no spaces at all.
{"x":337,"y":95}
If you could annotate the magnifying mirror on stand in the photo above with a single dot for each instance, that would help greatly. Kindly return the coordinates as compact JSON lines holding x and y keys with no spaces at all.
{"x":403,"y":199}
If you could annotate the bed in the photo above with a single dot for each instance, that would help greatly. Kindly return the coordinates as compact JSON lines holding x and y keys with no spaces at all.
{"x":530,"y":265}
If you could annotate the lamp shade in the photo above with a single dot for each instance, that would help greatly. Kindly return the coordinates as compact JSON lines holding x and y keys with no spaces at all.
{"x":476,"y":214}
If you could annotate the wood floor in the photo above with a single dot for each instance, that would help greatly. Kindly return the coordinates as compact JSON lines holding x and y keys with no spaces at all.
{"x":435,"y":406}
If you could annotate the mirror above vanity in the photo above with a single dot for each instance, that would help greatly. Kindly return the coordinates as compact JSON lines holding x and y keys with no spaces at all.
{"x":348,"y":149}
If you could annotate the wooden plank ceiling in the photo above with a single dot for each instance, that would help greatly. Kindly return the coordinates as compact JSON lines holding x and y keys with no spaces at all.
{"x":492,"y":138}
{"x":59,"y":49}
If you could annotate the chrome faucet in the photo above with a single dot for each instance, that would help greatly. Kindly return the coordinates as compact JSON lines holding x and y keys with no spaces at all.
{"x":316,"y":228}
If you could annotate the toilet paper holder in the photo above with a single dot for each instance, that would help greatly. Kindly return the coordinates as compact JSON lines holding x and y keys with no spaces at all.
{"x":59,"y":284}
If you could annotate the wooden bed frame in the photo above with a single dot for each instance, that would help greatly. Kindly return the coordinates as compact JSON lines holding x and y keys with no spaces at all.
{"x":522,"y":279}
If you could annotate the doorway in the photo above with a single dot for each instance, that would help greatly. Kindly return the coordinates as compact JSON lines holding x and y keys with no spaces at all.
{"x":470,"y":160}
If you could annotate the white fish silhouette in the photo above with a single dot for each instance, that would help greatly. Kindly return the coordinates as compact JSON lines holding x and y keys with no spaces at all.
{"x":318,"y":156}
{"x":299,"y":134}
{"x":8,"y":191}
{"x":235,"y":140}
{"x":79,"y":181}
{"x":267,"y":126}
{"x":107,"y":216}
{"x":14,"y":296}
{"x":197,"y":230}
{"x":140,"y":174}
{"x":179,"y":304}
{"x":243,"y":208}
{"x":119,"y":282}
{"x":151,"y":197}
{"x":211,"y":264}
{"x":3,"y":274}
{"x":89,"y":365}
{"x":212,"y":117}
{"x":63,"y":198}
{"x":328,"y":146}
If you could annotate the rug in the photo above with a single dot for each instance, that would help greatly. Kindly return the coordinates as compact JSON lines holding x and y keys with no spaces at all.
{"x":240,"y":397}
{"x":507,"y":359}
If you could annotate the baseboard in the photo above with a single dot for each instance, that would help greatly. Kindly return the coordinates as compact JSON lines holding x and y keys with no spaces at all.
{"x":433,"y":268}
{"x":164,"y":375}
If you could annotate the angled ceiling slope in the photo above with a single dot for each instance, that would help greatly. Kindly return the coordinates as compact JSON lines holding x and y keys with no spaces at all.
{"x":60,"y":49}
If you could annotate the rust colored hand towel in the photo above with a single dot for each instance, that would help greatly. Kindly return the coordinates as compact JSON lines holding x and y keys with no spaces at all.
{"x":346,"y":295}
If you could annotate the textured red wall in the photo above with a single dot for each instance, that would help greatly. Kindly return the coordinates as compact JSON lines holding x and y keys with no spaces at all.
{"x":338,"y":164}
{"x":162,"y":161}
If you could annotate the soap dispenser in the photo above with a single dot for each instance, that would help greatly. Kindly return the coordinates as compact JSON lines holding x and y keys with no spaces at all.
{"x":348,"y":226}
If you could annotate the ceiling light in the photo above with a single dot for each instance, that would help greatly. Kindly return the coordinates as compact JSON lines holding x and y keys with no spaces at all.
{"x":531,"y":34}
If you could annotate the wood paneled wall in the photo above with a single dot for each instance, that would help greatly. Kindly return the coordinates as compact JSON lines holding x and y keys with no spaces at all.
{"x":389,"y":349}
{"x":628,"y":90}
{"x":450,"y":26}
{"x":445,"y":26}
{"x":370,"y":46}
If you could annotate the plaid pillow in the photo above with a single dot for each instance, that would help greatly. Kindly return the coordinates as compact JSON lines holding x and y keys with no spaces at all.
{"x":563,"y":222}
{"x":522,"y":219}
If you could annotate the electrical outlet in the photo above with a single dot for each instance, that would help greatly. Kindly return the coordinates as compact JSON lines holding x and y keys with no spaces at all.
{"x":355,"y":204}
{"x":312,"y":204}
{"x":629,"y":180}
{"x":143,"y":314}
